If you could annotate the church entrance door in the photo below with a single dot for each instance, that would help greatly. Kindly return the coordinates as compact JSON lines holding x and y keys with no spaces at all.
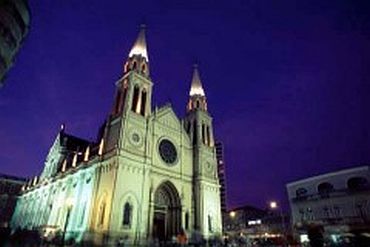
{"x":167,"y":212}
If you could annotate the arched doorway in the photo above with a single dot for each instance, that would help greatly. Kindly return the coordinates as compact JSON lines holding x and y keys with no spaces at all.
{"x":167,"y":212}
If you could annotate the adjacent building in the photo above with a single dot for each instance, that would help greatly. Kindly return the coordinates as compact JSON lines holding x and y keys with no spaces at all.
{"x":339,"y":201}
{"x":149,"y":175}
{"x":255,"y":223}
{"x":14,"y":25}
{"x":10,"y":187}
{"x":221,"y":174}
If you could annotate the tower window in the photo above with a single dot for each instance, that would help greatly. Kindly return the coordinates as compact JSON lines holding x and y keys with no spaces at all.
{"x":195,"y":135}
{"x":118,"y":102}
{"x":126,"y":67}
{"x":127,"y":213}
{"x":197,"y":104}
{"x":135,"y":98}
{"x":143,"y":102}
{"x":143,"y":68}
{"x":134,"y":65}
{"x":208,"y":136}
{"x":123,"y":98}
{"x":204,"y":134}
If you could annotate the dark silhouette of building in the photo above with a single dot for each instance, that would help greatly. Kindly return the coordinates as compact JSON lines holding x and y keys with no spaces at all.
{"x":14,"y":26}
{"x":10,"y":187}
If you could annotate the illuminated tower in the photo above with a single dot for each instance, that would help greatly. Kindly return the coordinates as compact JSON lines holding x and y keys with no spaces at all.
{"x":133,"y":95}
{"x":198,"y":124}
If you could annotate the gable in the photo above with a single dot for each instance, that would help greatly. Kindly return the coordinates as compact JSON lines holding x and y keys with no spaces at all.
{"x":167,"y":117}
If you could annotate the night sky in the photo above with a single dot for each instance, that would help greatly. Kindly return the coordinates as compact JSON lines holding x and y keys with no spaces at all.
{"x":287,"y":82}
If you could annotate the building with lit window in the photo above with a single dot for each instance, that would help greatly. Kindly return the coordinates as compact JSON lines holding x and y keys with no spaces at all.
{"x":148,"y":175}
{"x":255,"y":224}
{"x":10,"y":187}
{"x":339,"y":201}
{"x":221,"y":174}
{"x":14,"y":25}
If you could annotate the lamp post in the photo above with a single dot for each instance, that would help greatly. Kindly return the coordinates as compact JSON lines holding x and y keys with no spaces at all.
{"x":274,"y":206}
{"x":69,"y":205}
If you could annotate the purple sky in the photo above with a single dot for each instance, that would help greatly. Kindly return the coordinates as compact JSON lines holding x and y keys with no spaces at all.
{"x":288,"y":82}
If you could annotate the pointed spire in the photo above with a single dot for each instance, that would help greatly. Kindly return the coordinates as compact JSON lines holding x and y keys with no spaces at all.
{"x":139,"y":47}
{"x":196,"y":84}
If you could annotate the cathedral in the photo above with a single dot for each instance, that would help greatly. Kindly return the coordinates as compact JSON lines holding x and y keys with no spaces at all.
{"x":148,"y":176}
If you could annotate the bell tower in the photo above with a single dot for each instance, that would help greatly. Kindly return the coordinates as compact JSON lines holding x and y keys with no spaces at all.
{"x":134,"y":89}
{"x":133,"y":96}
{"x":198,"y":124}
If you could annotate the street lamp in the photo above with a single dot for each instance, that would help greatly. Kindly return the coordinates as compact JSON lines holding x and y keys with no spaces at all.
{"x":69,"y":205}
{"x":232,"y":214}
{"x":274,"y":206}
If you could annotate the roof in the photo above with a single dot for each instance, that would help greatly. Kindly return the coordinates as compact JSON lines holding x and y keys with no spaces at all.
{"x":71,"y":142}
{"x":139,"y":47}
{"x":330,"y":174}
{"x":196,"y":84}
{"x":10,"y":177}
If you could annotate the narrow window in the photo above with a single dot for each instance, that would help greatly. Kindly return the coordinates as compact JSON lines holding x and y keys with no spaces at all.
{"x":187,"y":221}
{"x":188,"y":127}
{"x":127,"y":212}
{"x":195,"y":133}
{"x":197,"y":104}
{"x":143,"y":68}
{"x":208,"y":136}
{"x":102,"y":213}
{"x":126,"y":67}
{"x":118,"y":102}
{"x":135,"y":99}
{"x":83,"y":209}
{"x":143,"y":102}
{"x":203,"y":134}
{"x":123,"y":99}
{"x":134,"y":66}
{"x":210,"y":223}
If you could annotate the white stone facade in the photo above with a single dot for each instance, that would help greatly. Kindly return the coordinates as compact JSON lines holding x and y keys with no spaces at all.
{"x":149,"y":176}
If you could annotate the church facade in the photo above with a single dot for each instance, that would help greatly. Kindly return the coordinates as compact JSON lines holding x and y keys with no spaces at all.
{"x":150,"y":175}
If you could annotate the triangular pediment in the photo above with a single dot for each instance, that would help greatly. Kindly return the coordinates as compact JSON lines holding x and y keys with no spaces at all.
{"x":166,"y":116}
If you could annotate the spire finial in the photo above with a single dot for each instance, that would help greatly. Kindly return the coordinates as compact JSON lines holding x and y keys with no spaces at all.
{"x":139,"y":47}
{"x":196,"y":84}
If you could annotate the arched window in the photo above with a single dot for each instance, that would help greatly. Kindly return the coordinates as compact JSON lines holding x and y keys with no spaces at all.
{"x":197,"y":104}
{"x":143,"y":68}
{"x":301,"y":193}
{"x":143,"y":102}
{"x":135,"y":98}
{"x":325,"y":189}
{"x":127,"y":214}
{"x":357,"y":183}
{"x":134,"y":65}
